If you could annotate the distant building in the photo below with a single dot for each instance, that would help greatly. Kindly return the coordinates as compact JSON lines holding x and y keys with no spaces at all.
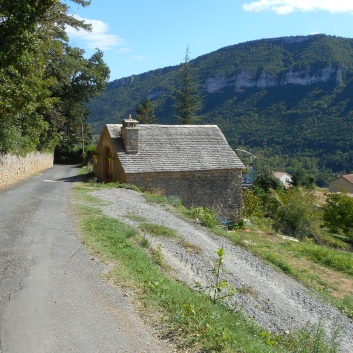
{"x":285,"y":178}
{"x":191,"y":162}
{"x":344,"y":181}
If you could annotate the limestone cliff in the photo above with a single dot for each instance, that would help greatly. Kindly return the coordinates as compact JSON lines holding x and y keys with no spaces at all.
{"x":245,"y":79}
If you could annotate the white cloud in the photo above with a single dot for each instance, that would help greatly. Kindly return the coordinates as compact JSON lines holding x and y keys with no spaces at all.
{"x":284,"y":7}
{"x":98,"y":38}
{"x":135,"y":59}
{"x":124,"y":50}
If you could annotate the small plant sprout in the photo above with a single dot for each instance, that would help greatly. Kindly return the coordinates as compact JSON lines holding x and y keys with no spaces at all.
{"x":221,"y":289}
{"x":158,"y":255}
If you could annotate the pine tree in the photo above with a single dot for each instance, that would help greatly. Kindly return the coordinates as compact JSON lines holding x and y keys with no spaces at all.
{"x":145,"y":112}
{"x":188,"y":99}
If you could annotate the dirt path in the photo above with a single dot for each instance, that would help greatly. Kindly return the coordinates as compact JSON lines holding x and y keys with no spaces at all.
{"x":52,"y":298}
{"x":275,"y":300}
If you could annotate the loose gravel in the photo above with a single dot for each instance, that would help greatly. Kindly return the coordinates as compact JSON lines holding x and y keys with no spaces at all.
{"x":275,"y":300}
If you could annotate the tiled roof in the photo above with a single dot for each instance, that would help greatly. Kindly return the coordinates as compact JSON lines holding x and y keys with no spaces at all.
{"x":348,"y":177}
{"x":165,"y":148}
{"x":280,"y":174}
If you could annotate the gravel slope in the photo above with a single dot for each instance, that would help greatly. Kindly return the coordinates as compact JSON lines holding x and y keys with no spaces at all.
{"x":275,"y":300}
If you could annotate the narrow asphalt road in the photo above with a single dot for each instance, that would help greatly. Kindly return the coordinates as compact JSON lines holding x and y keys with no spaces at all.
{"x":52,"y":298}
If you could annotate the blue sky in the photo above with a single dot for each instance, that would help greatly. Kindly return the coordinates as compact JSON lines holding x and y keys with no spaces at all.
{"x":137,"y":36}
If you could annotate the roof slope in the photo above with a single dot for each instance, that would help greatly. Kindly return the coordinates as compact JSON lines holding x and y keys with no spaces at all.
{"x":279,"y":175}
{"x":348,"y":177}
{"x":165,"y":148}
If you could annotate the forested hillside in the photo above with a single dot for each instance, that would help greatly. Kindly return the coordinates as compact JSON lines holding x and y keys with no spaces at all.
{"x":287,"y":100}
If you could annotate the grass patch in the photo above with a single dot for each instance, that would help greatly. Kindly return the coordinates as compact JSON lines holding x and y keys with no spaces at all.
{"x":135,"y":217}
{"x":86,"y":171}
{"x":156,"y":198}
{"x":278,"y":262}
{"x":339,"y":261}
{"x":158,"y":230}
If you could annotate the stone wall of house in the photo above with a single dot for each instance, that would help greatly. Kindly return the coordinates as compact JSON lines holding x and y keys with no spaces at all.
{"x":218,"y":189}
{"x":335,"y":185}
{"x":99,"y":160}
{"x":15,"y":168}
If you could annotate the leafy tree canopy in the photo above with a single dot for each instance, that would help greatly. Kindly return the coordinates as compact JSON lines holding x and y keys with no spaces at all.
{"x":338,"y":213}
{"x":44,"y":82}
{"x":266,"y":181}
{"x":301,"y":178}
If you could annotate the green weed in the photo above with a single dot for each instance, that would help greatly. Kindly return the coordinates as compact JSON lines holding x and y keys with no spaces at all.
{"x":158,"y":255}
{"x":206,"y":216}
{"x":144,"y":242}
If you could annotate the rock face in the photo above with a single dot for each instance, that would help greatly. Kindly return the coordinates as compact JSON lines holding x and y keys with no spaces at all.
{"x":123,"y":81}
{"x":246,"y":79}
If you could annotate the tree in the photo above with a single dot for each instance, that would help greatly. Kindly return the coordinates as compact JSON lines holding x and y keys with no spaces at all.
{"x":295,"y":212}
{"x":301,"y":178}
{"x":338,"y":213}
{"x":266,"y":181}
{"x":145,"y":112}
{"x":44,"y":83}
{"x":188,"y":100}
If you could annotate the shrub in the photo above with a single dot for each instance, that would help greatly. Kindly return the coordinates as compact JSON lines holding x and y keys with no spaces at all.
{"x":252,"y":205}
{"x":206,"y":216}
{"x":295,"y":212}
{"x":89,"y":152}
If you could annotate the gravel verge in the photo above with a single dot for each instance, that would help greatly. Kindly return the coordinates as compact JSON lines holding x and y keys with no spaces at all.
{"x":276,"y":301}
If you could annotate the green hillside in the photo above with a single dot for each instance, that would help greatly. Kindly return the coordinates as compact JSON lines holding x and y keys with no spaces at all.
{"x":287,"y":100}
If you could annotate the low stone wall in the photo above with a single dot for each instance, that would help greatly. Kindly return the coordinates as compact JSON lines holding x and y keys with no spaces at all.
{"x":218,"y":189}
{"x":15,"y":168}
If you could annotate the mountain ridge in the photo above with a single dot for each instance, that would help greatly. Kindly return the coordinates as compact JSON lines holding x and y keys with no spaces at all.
{"x":288,"y":82}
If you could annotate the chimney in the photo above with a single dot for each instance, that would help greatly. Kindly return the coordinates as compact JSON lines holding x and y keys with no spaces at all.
{"x":129,"y":135}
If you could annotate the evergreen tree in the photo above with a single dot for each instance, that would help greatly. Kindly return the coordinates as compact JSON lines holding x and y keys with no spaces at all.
{"x":145,"y":112}
{"x":188,"y":99}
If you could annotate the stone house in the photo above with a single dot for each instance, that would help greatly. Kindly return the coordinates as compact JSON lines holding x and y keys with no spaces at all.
{"x":344,"y":181}
{"x":193,"y":163}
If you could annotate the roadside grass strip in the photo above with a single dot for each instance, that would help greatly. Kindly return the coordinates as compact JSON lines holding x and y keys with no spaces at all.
{"x":191,"y":318}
